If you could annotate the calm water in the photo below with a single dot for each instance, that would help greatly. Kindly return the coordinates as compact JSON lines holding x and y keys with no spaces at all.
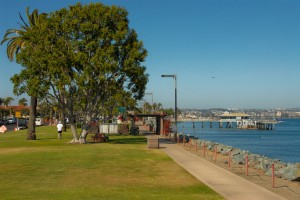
{"x":283,"y":142}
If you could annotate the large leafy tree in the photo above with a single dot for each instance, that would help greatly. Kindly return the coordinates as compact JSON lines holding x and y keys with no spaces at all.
{"x":17,"y":40}
{"x":84,"y":56}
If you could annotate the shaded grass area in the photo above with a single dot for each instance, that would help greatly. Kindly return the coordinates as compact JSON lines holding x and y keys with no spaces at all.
{"x":124,"y":168}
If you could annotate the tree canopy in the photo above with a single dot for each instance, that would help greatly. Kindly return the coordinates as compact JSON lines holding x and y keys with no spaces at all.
{"x":23,"y":102}
{"x":85,"y":56}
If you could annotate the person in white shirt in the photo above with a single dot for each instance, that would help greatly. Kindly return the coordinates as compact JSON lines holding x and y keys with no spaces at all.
{"x":59,"y":129}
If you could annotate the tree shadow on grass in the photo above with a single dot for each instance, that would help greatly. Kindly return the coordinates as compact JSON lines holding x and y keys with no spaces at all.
{"x":137,"y":140}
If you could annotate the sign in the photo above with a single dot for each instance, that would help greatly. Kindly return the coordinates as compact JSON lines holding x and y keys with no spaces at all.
{"x":3,"y":129}
{"x":121,"y":109}
{"x":18,"y":114}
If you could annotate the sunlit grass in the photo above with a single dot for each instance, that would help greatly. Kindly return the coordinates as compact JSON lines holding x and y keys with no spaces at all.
{"x":124,"y":168}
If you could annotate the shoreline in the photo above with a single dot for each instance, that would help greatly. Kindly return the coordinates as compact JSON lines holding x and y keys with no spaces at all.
{"x":240,"y":156}
{"x":270,"y":143}
{"x":263,"y":177}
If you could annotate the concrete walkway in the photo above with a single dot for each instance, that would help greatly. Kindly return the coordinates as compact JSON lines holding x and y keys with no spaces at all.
{"x":227,"y":184}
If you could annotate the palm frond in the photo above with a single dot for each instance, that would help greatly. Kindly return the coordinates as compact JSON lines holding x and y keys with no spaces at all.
{"x":22,"y":26}
{"x":9,"y":31}
{"x":16,"y":39}
{"x":26,"y":25}
{"x":34,"y":17}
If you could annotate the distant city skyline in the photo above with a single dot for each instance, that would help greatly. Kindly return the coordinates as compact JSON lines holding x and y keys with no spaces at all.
{"x":226,"y":54}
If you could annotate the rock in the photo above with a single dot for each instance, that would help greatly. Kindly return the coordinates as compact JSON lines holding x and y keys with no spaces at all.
{"x":236,"y":152}
{"x":264,"y":164}
{"x":211,"y":146}
{"x":253,"y":160}
{"x":220,"y":148}
{"x":282,"y":170}
{"x":226,"y":151}
{"x":291,"y":172}
{"x":296,"y":174}
{"x":238,"y":159}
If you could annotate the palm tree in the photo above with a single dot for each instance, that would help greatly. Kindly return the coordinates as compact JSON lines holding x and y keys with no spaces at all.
{"x":159,"y":106}
{"x":147,"y":107}
{"x":23,"y":102}
{"x":7,"y":101}
{"x":16,"y":40}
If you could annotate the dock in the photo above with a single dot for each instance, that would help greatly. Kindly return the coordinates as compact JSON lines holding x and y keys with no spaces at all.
{"x":266,"y":124}
{"x":259,"y":124}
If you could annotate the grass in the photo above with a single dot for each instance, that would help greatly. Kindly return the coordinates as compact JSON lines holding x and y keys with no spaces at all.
{"x":124,"y":168}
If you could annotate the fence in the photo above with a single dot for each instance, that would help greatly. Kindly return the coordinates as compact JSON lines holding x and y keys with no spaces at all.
{"x":242,"y":165}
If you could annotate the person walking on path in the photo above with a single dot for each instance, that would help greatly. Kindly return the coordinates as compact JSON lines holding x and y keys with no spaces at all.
{"x":59,"y":129}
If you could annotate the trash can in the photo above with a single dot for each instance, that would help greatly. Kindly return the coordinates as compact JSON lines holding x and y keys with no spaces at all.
{"x":153,"y":142}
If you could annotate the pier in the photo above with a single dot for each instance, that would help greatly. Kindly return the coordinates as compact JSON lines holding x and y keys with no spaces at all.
{"x":234,"y":120}
{"x":266,"y":124}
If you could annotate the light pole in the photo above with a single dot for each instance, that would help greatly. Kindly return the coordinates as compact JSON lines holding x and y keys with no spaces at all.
{"x":175,"y":78}
{"x":150,"y":93}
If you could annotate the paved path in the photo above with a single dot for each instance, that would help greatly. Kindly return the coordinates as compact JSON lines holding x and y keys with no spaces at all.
{"x":227,"y":184}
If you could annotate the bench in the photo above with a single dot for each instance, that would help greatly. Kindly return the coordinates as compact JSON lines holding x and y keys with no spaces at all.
{"x":100,"y":137}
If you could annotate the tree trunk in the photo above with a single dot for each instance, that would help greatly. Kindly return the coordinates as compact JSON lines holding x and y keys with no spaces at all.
{"x":51,"y":116}
{"x":86,"y":129}
{"x":63,"y":120}
{"x":74,"y":133}
{"x":83,"y":136}
{"x":73,"y":128}
{"x":32,"y":115}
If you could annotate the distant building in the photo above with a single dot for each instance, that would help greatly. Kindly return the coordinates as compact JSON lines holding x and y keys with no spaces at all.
{"x":15,"y":107}
{"x":233,"y":117}
{"x":278,"y":114}
{"x":242,"y":120}
{"x":12,"y":109}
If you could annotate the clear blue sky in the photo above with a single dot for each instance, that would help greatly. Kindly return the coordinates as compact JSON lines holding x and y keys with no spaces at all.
{"x":250,"y":47}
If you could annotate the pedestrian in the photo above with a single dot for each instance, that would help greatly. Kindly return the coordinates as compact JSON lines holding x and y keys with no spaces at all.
{"x":59,"y":129}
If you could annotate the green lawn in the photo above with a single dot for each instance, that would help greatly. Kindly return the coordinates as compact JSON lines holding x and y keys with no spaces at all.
{"x":124,"y":168}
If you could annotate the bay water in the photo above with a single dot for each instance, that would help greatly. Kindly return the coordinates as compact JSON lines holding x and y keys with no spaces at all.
{"x":283,"y":142}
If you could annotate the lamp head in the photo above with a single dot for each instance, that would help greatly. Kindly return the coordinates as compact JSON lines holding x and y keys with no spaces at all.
{"x":168,"y":75}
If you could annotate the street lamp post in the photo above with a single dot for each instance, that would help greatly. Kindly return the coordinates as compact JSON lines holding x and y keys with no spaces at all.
{"x":150,"y":93}
{"x":175,"y":78}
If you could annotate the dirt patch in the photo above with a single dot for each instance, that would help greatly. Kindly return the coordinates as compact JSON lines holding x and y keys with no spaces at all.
{"x":23,"y":150}
{"x":15,"y":150}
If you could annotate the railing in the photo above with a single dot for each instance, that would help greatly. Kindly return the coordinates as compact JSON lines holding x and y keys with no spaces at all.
{"x":271,"y":175}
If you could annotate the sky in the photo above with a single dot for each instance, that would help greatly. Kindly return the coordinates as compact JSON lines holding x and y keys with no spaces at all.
{"x":233,"y":54}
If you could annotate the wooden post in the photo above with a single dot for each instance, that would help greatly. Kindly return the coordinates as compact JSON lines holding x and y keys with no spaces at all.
{"x":204,"y":149}
{"x":273,"y":176}
{"x":247,"y":165}
{"x":229,"y":158}
{"x":216,"y":153}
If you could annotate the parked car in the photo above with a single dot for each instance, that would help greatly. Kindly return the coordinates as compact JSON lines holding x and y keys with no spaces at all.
{"x":3,"y":122}
{"x":39,"y":121}
{"x":22,"y":123}
{"x":11,"y":121}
